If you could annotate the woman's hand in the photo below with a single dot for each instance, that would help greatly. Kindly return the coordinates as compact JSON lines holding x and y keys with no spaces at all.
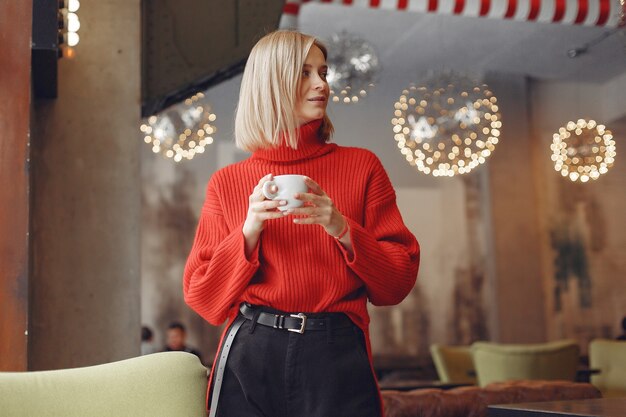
{"x":259,"y":210}
{"x":319,"y":209}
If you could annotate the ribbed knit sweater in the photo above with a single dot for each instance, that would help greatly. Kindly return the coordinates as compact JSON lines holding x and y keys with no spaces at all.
{"x":299,"y":267}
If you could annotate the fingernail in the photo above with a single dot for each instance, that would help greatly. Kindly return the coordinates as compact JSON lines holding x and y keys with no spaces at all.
{"x":282,"y":203}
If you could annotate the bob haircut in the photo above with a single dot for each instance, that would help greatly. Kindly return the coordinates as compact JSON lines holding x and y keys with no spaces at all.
{"x":269,"y":92}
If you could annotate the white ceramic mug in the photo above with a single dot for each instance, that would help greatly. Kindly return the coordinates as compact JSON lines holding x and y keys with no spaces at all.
{"x":287,"y":186}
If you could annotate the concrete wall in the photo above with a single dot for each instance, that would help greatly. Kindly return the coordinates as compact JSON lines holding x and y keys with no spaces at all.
{"x":517,"y":291}
{"x":85,"y":300}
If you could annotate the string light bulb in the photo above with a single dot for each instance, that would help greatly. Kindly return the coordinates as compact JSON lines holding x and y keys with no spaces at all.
{"x":73,"y":5}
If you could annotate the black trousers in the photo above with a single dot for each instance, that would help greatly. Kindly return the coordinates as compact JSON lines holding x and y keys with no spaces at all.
{"x":277,"y":373}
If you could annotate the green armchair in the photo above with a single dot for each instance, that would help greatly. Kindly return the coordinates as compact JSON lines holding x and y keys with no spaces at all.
{"x":546,"y":361}
{"x":158,"y":385}
{"x":454,"y":364}
{"x":609,"y":356}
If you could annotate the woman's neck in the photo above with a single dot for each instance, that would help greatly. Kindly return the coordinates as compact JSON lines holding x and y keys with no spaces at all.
{"x":309,"y":144}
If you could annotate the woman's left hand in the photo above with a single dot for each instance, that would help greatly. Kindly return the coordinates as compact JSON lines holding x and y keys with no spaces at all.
{"x":319,"y":209}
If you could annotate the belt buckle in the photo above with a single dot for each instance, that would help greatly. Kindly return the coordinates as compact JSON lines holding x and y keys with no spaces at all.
{"x":301,"y":329}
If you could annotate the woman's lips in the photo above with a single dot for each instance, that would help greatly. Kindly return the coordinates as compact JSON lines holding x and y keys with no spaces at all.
{"x":319,"y":99}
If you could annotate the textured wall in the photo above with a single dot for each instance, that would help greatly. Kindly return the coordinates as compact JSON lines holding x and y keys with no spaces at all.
{"x":170,"y":202}
{"x":583,"y":233}
{"x":86,"y":198}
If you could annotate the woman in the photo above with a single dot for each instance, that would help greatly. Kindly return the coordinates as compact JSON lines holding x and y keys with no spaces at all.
{"x":294,"y":284}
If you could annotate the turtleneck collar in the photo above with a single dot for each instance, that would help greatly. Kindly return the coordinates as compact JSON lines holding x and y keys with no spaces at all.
{"x":309,"y":145}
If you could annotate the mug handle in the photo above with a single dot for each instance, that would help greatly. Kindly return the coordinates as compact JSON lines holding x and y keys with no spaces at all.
{"x":266,"y":190}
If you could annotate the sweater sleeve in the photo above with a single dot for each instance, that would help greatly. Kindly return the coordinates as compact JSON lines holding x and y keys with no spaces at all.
{"x":386,"y":254}
{"x":217,"y":269}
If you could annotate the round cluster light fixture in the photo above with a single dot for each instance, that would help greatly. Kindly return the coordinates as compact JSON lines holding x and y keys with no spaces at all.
{"x":182,"y":131}
{"x":446,"y":126}
{"x":352,"y":67}
{"x":583,"y":150}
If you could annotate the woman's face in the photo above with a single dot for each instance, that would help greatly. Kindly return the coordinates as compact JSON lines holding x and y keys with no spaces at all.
{"x":314,"y":91}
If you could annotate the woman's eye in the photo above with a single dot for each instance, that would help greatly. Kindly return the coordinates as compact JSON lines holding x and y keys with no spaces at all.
{"x":305,"y":73}
{"x":324,"y":74}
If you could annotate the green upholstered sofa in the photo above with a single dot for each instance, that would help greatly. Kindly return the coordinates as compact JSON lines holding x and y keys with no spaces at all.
{"x":609,"y":357}
{"x":454,"y":364}
{"x":497,"y":362}
{"x":158,"y":385}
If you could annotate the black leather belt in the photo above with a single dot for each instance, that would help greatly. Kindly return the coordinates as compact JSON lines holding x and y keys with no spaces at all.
{"x":221,"y":363}
{"x":298,"y":322}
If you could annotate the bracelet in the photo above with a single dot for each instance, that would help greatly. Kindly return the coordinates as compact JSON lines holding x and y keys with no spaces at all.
{"x":343,"y":233}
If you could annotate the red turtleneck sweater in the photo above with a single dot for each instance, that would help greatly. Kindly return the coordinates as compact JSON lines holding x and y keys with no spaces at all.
{"x":295,"y":267}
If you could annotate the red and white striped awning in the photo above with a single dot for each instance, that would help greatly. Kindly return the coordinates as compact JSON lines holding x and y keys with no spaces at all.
{"x":604,"y":13}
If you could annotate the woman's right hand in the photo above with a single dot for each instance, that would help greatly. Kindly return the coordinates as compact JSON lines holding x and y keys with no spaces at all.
{"x":260,"y":209}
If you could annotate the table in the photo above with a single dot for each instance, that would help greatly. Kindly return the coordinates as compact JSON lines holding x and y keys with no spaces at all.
{"x":582,"y":374}
{"x":599,"y":407}
{"x":411,"y":384}
{"x":385,"y":365}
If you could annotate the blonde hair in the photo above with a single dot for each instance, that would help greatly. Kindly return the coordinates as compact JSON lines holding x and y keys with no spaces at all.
{"x":269,"y":92}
